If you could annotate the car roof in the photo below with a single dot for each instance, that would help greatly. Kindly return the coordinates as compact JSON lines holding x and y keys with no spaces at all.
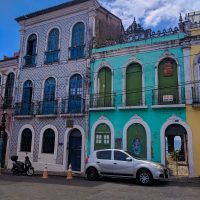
{"x":109,"y":150}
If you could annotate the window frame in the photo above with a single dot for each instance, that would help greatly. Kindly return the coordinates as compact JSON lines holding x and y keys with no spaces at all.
{"x":48,"y":138}
{"x":22,"y":138}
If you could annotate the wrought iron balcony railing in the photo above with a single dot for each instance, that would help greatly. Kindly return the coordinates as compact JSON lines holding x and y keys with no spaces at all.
{"x":73,"y":105}
{"x":24,"y":108}
{"x":168,"y":96}
{"x":47,"y":107}
{"x":30,"y":61}
{"x":196,"y":95}
{"x":52,"y":56}
{"x":102,"y":100}
{"x":76,"y":52}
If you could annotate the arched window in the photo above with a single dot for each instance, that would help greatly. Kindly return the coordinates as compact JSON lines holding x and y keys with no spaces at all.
{"x":137,"y":141}
{"x":104,"y":97}
{"x":53,"y":46}
{"x":168,"y":92}
{"x":102,"y":137}
{"x":48,"y":142}
{"x":9,"y":90}
{"x":26,"y":107}
{"x":78,"y":40}
{"x":49,"y":104}
{"x":76,"y":105}
{"x":30,"y":58}
{"x":134,"y":85}
{"x":26,"y":140}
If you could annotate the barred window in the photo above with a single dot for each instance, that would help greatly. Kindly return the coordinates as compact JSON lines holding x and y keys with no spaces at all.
{"x":26,"y":140}
{"x":48,"y":141}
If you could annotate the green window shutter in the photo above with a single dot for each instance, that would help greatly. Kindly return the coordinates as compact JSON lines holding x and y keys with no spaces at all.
{"x":105,"y":87}
{"x":102,"y":139}
{"x":134,"y":85}
{"x":137,"y":141}
{"x":168,"y":84}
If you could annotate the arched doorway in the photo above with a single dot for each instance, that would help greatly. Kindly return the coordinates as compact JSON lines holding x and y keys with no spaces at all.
{"x":4,"y":147}
{"x":176,"y":150}
{"x":137,"y":141}
{"x":75,"y":150}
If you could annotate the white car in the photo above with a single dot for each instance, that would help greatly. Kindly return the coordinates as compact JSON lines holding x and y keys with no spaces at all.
{"x":118,"y":163}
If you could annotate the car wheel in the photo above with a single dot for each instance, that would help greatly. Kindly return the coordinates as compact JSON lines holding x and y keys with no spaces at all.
{"x":92,"y":174}
{"x":144,"y":177}
{"x":30,"y":172}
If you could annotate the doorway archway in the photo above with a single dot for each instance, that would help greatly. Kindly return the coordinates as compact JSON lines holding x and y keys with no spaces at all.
{"x":176,"y":150}
{"x":4,"y":147}
{"x":176,"y":120}
{"x":75,"y":150}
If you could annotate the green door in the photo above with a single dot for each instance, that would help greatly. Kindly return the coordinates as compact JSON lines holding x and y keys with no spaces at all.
{"x":137,"y":141}
{"x":134,"y":85}
{"x":105,"y":87}
{"x":102,"y":139}
{"x":168,"y":82}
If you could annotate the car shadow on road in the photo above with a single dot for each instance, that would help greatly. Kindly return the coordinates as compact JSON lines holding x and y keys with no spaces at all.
{"x":156,"y":183}
{"x":83,"y":182}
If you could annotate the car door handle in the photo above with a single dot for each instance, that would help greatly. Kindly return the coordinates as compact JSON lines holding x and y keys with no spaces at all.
{"x":98,"y":162}
{"x":115,"y":163}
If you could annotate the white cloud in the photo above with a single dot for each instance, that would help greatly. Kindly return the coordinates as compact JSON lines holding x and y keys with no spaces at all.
{"x":151,"y":12}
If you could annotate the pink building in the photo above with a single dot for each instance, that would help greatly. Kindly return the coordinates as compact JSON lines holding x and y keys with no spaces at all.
{"x":8,"y":71}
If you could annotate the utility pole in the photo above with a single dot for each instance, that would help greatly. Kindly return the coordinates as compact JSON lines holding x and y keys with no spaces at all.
{"x":2,"y":132}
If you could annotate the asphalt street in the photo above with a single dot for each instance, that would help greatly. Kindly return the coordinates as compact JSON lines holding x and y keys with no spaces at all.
{"x":58,"y":188}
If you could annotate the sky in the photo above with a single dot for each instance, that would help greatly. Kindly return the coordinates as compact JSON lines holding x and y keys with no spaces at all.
{"x":155,"y":14}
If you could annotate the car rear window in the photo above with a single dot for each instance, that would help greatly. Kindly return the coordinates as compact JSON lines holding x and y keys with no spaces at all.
{"x":104,"y":155}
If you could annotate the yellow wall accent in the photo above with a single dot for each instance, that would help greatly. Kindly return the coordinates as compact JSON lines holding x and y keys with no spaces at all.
{"x":193,"y":114}
{"x":193,"y":120}
{"x":195,"y":31}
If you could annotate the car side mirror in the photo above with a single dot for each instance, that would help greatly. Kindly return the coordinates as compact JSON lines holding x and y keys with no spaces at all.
{"x":129,"y":159}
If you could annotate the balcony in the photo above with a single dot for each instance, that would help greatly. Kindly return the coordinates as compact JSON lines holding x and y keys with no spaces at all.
{"x":168,"y":97}
{"x":52,"y":56}
{"x":24,"y":109}
{"x":30,"y":60}
{"x":196,"y":96}
{"x":47,"y":107}
{"x":102,"y":101}
{"x":74,"y":105}
{"x":77,"y":52}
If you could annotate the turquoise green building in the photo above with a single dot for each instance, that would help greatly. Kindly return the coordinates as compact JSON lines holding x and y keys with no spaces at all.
{"x":138,"y":95}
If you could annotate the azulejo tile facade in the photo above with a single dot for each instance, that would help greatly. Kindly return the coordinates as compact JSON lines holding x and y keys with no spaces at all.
{"x":51,"y":101}
{"x":84,"y":83}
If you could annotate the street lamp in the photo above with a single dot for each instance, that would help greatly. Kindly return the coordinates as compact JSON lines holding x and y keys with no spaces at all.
{"x":2,"y":132}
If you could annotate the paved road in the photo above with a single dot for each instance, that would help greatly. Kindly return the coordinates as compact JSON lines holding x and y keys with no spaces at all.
{"x":58,"y":188}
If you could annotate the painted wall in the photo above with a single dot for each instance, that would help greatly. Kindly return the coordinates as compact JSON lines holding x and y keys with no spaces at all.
{"x":193,"y":114}
{"x":155,"y":118}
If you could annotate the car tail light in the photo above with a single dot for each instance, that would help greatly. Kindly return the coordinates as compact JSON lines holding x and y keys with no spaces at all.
{"x":86,"y":160}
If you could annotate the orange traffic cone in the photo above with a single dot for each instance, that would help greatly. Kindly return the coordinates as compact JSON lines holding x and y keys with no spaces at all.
{"x":45,"y":172}
{"x":69,"y":173}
